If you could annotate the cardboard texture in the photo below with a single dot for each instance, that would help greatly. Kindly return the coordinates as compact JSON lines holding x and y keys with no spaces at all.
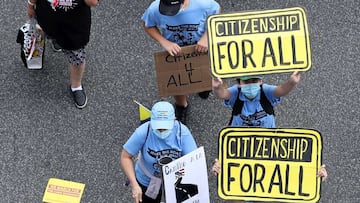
{"x":184,"y":74}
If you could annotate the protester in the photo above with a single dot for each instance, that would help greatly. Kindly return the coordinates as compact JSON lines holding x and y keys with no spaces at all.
{"x":253,"y":104}
{"x":68,"y":24}
{"x":182,"y":23}
{"x":160,"y":137}
{"x":256,"y":99}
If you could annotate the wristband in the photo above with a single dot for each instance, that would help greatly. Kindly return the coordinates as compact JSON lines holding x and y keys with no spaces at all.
{"x":31,"y":3}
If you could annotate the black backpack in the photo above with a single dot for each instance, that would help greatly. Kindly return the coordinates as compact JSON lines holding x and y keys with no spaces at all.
{"x":264,"y":102}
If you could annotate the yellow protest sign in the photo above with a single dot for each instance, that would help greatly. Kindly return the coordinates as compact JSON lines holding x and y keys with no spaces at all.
{"x":260,"y":164}
{"x":258,"y":42}
{"x":62,"y":191}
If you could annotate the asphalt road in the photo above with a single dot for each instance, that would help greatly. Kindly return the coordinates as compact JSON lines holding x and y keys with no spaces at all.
{"x":43,"y":135}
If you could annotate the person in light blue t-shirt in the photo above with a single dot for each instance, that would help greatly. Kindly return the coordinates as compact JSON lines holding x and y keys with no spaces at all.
{"x":256,"y":100}
{"x":160,"y":137}
{"x":252,"y":103}
{"x":177,"y":23}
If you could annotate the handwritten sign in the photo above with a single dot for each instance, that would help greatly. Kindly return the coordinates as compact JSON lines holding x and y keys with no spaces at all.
{"x":260,"y":164}
{"x":259,"y":42}
{"x":186,"y":179}
{"x":184,"y":74}
{"x":59,"y":191}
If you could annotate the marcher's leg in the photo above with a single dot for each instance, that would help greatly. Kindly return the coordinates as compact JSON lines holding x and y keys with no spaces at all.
{"x":77,"y":90}
{"x":181,"y":107}
{"x":76,"y":74}
{"x":77,"y":69}
{"x":204,"y":94}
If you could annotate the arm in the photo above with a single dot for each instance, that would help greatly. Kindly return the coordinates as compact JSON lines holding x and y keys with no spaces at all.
{"x":128,"y":167}
{"x":171,"y":47}
{"x":91,"y":3}
{"x":287,"y":86}
{"x":202,"y":44}
{"x":31,"y":8}
{"x":219,"y":89}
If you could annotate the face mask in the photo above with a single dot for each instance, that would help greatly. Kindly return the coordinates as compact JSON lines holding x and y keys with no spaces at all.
{"x":250,"y":90}
{"x":162,"y":135}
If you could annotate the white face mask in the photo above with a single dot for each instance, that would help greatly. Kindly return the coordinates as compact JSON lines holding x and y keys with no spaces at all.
{"x":164,"y":134}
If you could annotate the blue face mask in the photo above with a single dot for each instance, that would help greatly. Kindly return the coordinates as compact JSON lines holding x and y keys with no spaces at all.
{"x":250,"y":90}
{"x":164,"y":134}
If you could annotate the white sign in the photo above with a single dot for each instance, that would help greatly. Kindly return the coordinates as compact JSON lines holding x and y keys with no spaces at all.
{"x":186,"y":179}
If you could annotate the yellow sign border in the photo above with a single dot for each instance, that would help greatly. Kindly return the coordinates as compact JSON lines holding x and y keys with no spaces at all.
{"x":214,"y":70}
{"x":309,"y":133}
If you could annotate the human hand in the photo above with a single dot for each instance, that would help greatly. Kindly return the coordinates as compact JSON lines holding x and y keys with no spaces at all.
{"x":216,"y":83}
{"x":136,"y":193}
{"x":172,"y":48}
{"x":216,"y":169}
{"x":322,"y":173}
{"x":202,"y":46}
{"x":295,"y":77}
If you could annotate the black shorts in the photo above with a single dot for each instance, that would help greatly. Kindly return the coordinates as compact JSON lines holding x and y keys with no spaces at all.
{"x":146,"y":199}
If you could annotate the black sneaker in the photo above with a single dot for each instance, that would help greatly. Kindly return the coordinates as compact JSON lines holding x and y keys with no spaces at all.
{"x":80,"y":98}
{"x":204,"y":94}
{"x":55,"y":46}
{"x":180,"y":113}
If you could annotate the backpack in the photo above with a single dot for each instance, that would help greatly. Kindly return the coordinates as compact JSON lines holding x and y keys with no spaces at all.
{"x":239,"y":104}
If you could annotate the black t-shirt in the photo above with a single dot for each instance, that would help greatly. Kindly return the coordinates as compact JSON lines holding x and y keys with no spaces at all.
{"x":69,"y":23}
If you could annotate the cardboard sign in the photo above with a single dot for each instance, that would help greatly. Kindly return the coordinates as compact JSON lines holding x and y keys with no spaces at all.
{"x":260,"y":164}
{"x":258,"y":42}
{"x":60,"y":191}
{"x":181,"y":75}
{"x":186,"y":179}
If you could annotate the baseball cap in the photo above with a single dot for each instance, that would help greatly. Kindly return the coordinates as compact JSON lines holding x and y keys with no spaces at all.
{"x":170,"y":7}
{"x":251,"y":77}
{"x":162,"y":116}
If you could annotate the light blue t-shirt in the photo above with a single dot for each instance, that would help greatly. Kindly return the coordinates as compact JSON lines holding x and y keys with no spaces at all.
{"x":187,"y":26}
{"x":252,"y":113}
{"x":153,"y":148}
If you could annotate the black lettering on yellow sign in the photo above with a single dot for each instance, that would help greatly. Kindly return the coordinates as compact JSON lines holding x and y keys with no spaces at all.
{"x":258,"y":42}
{"x":242,"y":58}
{"x":269,"y":148}
{"x":280,"y":179}
{"x":269,"y":164}
{"x":257,"y":25}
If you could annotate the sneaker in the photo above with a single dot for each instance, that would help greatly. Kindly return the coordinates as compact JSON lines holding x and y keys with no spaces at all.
{"x":204,"y":94}
{"x":180,"y":113}
{"x":55,"y":46}
{"x":80,"y":98}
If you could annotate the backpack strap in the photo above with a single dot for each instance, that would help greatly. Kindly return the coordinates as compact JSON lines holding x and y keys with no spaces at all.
{"x":239,"y":104}
{"x":265,"y":103}
{"x":139,"y":159}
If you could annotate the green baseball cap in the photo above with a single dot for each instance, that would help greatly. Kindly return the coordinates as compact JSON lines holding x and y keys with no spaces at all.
{"x":251,"y":77}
